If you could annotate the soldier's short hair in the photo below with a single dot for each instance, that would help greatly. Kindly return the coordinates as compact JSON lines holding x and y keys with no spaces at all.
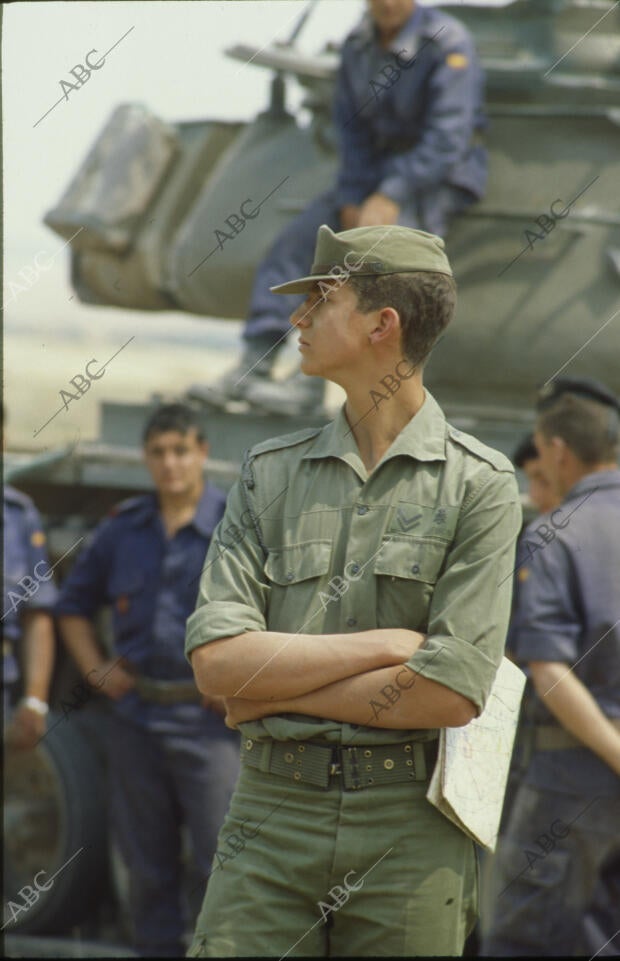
{"x":179,"y":417}
{"x":425,"y":301}
{"x":526,"y":451}
{"x":589,"y":428}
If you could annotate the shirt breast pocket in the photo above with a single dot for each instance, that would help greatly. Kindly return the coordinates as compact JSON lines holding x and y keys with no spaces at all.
{"x":295,"y":574}
{"x":407,"y":570}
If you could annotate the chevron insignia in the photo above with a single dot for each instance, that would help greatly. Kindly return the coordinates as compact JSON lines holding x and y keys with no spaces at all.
{"x":407,"y":523}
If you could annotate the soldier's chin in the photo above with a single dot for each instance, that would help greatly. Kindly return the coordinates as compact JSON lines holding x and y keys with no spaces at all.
{"x":307,"y":366}
{"x":176,"y":486}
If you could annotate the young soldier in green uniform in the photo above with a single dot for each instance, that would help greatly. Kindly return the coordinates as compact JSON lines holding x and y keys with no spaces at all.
{"x":349,"y":608}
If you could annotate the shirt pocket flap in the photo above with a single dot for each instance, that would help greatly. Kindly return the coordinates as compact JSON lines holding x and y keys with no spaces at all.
{"x":416,"y":560}
{"x":298,"y":562}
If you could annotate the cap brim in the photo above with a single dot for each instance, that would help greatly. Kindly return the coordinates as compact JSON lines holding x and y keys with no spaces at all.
{"x":302,"y":286}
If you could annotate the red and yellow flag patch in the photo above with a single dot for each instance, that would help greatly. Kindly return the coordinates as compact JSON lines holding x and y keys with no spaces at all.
{"x":457,"y":61}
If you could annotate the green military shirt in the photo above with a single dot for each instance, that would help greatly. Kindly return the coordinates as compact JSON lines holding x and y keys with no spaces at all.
{"x":312,"y":543}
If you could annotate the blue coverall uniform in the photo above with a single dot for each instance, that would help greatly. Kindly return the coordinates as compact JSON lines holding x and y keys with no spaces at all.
{"x":415,"y":141}
{"x":168,"y":763}
{"x":25,"y":561}
{"x":556,"y":876}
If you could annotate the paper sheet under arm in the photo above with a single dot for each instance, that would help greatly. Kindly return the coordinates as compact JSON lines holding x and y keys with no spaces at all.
{"x":469,"y":780}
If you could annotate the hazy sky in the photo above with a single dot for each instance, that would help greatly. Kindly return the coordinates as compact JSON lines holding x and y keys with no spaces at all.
{"x":171,"y":59}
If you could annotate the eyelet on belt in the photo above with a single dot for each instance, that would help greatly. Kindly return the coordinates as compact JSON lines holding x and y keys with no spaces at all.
{"x":409,"y":763}
{"x":369,"y":767}
{"x":388,"y":764}
{"x":367,"y":753}
{"x":288,"y":757}
{"x":297,"y":776}
{"x":408,"y":748}
{"x":301,"y":748}
{"x":249,"y":744}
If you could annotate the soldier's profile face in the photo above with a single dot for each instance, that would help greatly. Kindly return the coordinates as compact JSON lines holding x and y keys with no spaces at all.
{"x":329,"y":331}
{"x":175,"y":461}
{"x":390,"y":15}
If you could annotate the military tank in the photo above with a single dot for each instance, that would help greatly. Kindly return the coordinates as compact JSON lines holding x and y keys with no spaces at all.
{"x":156,"y":205}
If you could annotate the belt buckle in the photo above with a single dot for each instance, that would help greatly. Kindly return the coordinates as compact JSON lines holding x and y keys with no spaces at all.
{"x":353,"y":771}
{"x":335,"y":765}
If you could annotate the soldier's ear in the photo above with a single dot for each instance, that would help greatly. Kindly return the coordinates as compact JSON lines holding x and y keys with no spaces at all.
{"x":560,"y":449}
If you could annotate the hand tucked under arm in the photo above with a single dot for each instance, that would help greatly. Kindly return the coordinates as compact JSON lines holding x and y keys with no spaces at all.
{"x":397,"y":699}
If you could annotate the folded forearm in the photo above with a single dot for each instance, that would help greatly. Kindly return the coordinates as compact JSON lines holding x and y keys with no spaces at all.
{"x":80,"y":640}
{"x":270,"y":665}
{"x":390,"y":698}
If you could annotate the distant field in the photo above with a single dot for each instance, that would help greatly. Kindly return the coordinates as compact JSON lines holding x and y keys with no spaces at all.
{"x":35,"y":373}
{"x":38,"y":366}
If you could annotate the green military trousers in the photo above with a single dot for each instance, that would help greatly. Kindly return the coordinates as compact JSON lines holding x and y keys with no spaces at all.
{"x":305,"y":871}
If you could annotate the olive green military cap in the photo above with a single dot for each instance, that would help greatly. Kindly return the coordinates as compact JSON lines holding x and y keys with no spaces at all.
{"x":370,"y":252}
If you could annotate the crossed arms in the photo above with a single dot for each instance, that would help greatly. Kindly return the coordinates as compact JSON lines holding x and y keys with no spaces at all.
{"x":333,"y":676}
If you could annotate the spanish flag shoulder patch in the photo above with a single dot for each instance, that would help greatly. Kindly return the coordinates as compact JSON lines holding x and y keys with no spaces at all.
{"x":457,"y":61}
{"x":37,"y":538}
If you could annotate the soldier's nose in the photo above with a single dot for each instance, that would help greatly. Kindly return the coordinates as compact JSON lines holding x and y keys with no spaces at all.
{"x":299,"y":316}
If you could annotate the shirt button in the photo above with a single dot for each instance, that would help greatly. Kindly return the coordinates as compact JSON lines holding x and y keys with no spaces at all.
{"x":290,"y":576}
{"x":355,"y":568}
{"x":351,"y":621}
{"x":362,"y":509}
{"x":415,"y":569}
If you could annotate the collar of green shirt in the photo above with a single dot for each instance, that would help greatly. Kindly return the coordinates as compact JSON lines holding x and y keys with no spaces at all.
{"x":423,"y":438}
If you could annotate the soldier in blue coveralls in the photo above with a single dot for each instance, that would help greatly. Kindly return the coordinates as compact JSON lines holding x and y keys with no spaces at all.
{"x":172,"y":760}
{"x":558,"y":860}
{"x":29,"y":595}
{"x":408,"y":110}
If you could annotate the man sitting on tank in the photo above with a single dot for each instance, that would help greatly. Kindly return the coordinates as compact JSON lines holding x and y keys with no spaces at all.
{"x":408,"y":111}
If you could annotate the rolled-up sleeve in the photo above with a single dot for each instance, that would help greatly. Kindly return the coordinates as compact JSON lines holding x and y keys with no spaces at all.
{"x":234,"y":592}
{"x":470,"y":608}
{"x":84,"y":591}
{"x":46,"y":595}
